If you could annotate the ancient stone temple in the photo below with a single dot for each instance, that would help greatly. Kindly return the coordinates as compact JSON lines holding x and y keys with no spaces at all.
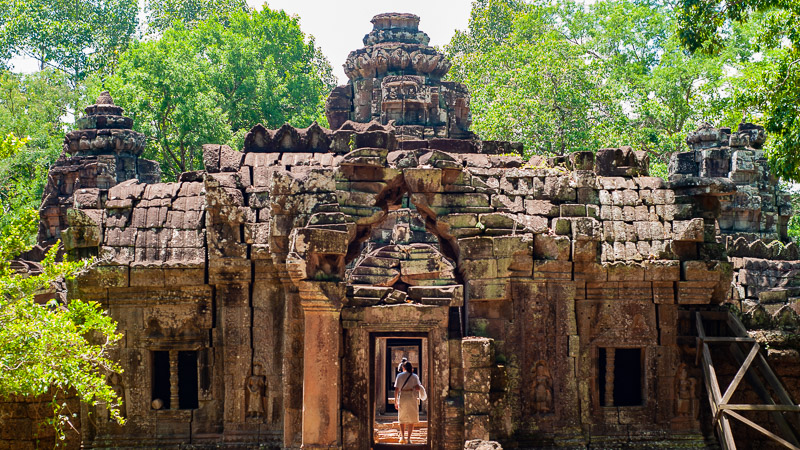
{"x":266,"y":300}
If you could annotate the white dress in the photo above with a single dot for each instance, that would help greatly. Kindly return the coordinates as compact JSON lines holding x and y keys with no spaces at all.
{"x":408,"y":405}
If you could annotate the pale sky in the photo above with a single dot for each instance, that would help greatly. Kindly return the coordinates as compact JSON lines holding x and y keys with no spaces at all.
{"x":339,"y":26}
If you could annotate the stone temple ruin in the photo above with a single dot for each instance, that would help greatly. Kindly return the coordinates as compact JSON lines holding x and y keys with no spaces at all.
{"x":575,"y":302}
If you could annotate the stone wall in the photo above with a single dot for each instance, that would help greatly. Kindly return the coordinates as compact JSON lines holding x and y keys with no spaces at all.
{"x":552,"y":295}
{"x":753,"y":229}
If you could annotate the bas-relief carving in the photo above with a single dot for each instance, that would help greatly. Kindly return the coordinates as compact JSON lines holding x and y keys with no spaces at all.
{"x":542,"y":389}
{"x":256,"y":399}
{"x":686,"y":403}
{"x":608,"y":322}
{"x":413,"y":87}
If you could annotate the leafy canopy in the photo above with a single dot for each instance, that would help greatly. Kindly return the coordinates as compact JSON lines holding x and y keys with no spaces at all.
{"x":565,"y":76}
{"x":770,"y":86}
{"x":161,"y":14}
{"x":212,"y":82}
{"x":78,"y":37}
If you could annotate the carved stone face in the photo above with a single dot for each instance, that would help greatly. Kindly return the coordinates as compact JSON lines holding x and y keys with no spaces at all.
{"x":401,"y":90}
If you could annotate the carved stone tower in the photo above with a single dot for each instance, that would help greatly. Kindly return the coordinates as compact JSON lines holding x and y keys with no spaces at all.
{"x":101,"y":153}
{"x":396,"y":78}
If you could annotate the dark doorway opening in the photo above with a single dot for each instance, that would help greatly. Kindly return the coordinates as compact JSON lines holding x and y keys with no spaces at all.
{"x":628,"y":377}
{"x":626,"y":384}
{"x":160,"y":380}
{"x":187,"y":380}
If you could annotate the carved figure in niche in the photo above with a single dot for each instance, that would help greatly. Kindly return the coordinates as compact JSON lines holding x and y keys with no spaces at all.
{"x":255,"y":389}
{"x":400,"y":59}
{"x":640,"y":328}
{"x":115,"y":380}
{"x":401,"y":234}
{"x":381,"y":61}
{"x":686,"y":406}
{"x":102,"y":409}
{"x":542,"y":388}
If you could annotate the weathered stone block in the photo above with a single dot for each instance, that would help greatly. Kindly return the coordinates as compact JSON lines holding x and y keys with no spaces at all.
{"x":552,"y":270}
{"x":590,"y":271}
{"x":476,"y":403}
{"x":476,"y":427}
{"x":541,"y":208}
{"x":573,"y":210}
{"x":477,"y":247}
{"x":700,"y":271}
{"x":688,"y":231}
{"x":551,"y":247}
{"x":625,"y":272}
{"x":662,"y":270}
{"x":477,"y":379}
{"x":561,"y":226}
{"x":586,"y":228}
{"x":585,"y":251}
{"x":477,"y":352}
{"x":489,"y":289}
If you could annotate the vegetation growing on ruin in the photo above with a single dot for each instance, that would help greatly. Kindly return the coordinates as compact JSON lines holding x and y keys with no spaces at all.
{"x":51,"y":348}
{"x":559,"y":76}
{"x":191,"y":73}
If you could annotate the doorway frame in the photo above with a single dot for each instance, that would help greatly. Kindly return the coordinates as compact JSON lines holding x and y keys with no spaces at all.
{"x":361,"y":326}
{"x":373,"y":374}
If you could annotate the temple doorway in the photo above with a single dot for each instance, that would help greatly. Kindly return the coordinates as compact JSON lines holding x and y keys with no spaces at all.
{"x":389,"y":351}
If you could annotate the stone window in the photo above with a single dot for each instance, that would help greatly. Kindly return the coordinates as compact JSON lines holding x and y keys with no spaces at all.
{"x":619,"y":373}
{"x":174,"y":382}
{"x":187,"y":380}
{"x":160,"y":382}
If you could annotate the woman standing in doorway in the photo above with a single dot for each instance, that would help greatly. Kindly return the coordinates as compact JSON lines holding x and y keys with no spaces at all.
{"x":406,"y":393}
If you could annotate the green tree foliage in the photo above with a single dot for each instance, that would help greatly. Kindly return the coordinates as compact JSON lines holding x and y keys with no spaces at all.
{"x":49,"y":349}
{"x":31,"y":136}
{"x":534,"y":90}
{"x":211,"y":82}
{"x":161,"y":14}
{"x":528,"y":82}
{"x":565,"y":76}
{"x":771,"y":87}
{"x":75,"y":36}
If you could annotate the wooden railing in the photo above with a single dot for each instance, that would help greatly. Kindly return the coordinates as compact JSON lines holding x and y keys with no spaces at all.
{"x":752,"y":363}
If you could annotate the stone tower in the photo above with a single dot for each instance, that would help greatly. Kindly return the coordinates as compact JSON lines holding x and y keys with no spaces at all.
{"x":397,"y":77}
{"x":101,"y":153}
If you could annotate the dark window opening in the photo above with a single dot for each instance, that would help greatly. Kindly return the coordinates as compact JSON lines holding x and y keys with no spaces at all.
{"x":160,"y":381}
{"x":627,"y":373}
{"x":187,"y":380}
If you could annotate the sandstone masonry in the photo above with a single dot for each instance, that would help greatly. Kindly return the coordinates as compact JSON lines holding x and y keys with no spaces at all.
{"x":552,"y":303}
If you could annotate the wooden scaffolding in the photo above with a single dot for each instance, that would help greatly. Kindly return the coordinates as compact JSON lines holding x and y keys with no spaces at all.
{"x":755,"y":368}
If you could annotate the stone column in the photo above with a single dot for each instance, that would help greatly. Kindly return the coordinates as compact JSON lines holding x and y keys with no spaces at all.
{"x":174,"y":397}
{"x":322,"y":304}
{"x":610,"y":353}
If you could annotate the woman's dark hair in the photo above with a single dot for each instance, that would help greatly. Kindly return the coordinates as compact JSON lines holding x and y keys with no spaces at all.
{"x":408,"y":366}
